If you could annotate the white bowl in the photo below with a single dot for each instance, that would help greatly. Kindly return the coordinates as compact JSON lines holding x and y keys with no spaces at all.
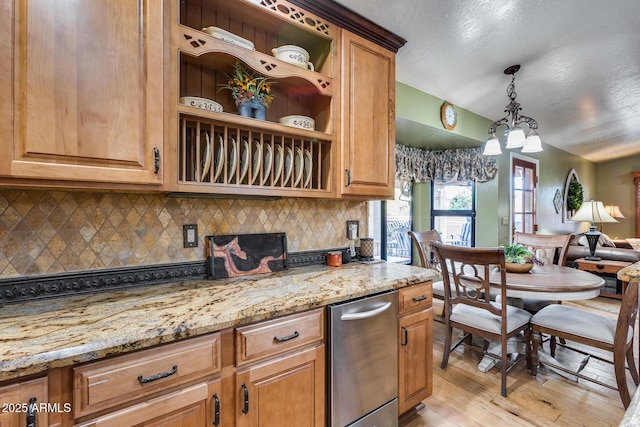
{"x":302,"y":122}
{"x":202,"y":103}
{"x":293,"y":55}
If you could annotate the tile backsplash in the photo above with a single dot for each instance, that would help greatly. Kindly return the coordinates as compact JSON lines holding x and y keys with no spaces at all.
{"x":44,"y":232}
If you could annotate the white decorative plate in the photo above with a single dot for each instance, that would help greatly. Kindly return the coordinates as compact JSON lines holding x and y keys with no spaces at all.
{"x":219,"y":159}
{"x":298,"y":166}
{"x":308,"y":166}
{"x":288,"y":165}
{"x":266,"y":169}
{"x":205,"y":156}
{"x":257,"y":160}
{"x":228,"y":37}
{"x":277,"y":164}
{"x":244,"y":160}
{"x":231,"y":165}
{"x":201,"y":103}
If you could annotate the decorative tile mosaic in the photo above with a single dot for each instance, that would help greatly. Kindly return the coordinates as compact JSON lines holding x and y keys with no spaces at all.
{"x":57,"y":231}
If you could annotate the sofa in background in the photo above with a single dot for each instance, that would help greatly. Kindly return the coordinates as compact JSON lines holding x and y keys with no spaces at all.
{"x":622,"y":250}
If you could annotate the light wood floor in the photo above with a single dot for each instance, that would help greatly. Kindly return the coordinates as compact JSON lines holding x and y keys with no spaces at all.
{"x":464,"y":396}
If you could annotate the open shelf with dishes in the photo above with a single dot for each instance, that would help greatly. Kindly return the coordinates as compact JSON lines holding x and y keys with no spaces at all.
{"x":217,"y":154}
{"x":217,"y":149}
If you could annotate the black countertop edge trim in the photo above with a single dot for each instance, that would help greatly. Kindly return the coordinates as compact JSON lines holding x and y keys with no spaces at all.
{"x":20,"y":289}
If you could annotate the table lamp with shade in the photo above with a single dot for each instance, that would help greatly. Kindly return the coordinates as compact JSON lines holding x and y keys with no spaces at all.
{"x":592,"y":212}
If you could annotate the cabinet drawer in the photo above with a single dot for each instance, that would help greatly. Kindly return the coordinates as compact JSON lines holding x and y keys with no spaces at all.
{"x":107,"y":383}
{"x":279,"y":335}
{"x":414,"y":297}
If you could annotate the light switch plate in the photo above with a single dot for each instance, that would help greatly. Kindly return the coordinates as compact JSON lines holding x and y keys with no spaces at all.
{"x":190,"y":235}
{"x":351,"y":225}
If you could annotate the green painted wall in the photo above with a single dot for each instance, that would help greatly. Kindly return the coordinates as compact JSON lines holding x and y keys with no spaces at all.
{"x":493,"y":198}
{"x":614,"y":186}
{"x":420,"y":107}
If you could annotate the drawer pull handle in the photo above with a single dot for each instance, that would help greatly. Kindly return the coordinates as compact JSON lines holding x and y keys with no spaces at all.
{"x":295,"y":334}
{"x":245,"y":406}
{"x":406,"y":336}
{"x":144,"y":380}
{"x":31,"y":413}
{"x":422,"y":298}
{"x":600,"y":267}
{"x":216,"y":409}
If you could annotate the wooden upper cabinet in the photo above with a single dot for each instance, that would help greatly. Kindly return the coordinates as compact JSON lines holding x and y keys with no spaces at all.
{"x":82,"y":98}
{"x":368,"y":118}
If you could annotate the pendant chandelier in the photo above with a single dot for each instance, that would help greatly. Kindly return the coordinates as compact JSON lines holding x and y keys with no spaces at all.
{"x":513,"y":121}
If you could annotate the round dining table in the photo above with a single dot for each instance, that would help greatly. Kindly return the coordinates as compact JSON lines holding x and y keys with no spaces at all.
{"x":546,"y":283}
{"x":551,"y":283}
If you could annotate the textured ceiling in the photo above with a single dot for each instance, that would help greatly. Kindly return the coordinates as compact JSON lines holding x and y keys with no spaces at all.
{"x":580,"y":75}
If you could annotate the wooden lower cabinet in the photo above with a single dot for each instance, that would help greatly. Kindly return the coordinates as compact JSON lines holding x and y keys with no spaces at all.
{"x":183,"y":408}
{"x":285,"y":391}
{"x":17,"y":402}
{"x":415,"y":349}
{"x":415,"y":361}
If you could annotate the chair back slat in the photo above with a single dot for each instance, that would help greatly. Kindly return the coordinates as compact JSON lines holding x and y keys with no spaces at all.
{"x":550,"y":249}
{"x":422,"y":240}
{"x":470,"y":270}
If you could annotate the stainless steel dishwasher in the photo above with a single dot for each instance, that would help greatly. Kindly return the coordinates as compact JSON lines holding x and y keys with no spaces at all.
{"x":363,"y":362}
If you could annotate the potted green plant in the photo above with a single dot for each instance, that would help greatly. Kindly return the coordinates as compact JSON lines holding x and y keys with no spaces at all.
{"x":251,"y":91}
{"x":519,"y":259}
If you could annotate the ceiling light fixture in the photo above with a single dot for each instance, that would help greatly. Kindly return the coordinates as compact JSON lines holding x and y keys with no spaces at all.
{"x":513,"y":122}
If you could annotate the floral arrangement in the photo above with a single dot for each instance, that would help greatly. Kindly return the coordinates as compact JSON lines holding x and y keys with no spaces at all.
{"x":518,"y":254}
{"x":248,"y":86}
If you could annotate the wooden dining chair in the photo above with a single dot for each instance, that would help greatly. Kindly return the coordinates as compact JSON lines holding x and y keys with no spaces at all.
{"x":549,"y":249}
{"x":469,"y":306}
{"x":594,"y":330}
{"x":421,"y":239}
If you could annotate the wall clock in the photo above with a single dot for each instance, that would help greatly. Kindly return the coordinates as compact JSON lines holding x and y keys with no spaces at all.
{"x":449,"y":116}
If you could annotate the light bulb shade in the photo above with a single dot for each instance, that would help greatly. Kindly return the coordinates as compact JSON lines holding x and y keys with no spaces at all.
{"x":492,"y":147}
{"x":516,"y":138}
{"x":533,"y":143}
{"x":592,"y":212}
{"x":614,"y":211}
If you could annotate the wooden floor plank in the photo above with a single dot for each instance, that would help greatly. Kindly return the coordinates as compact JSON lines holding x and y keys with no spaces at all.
{"x":465,"y":396}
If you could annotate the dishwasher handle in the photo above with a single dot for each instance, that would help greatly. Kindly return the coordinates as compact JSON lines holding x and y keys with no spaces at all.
{"x":366,"y":314}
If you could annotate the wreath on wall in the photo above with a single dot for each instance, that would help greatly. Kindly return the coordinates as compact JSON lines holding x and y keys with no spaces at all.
{"x":575,"y":196}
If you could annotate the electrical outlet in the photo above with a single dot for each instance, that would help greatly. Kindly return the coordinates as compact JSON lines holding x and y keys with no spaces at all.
{"x":353,"y":230}
{"x":190,"y":235}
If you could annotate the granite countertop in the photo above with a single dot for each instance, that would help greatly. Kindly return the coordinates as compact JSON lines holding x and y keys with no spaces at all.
{"x":630,"y":273}
{"x":632,"y":414}
{"x":40,"y":335}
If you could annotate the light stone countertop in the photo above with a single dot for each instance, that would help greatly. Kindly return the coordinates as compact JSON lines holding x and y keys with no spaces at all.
{"x":630,"y":273}
{"x":40,"y":335}
{"x":632,"y":414}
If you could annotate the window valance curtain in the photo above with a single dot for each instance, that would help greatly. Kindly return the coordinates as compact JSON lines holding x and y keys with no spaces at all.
{"x":463,"y":164}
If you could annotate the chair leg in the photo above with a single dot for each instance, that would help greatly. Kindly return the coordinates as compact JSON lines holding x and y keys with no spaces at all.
{"x":536,"y":342}
{"x":621,"y":379}
{"x":552,"y":346}
{"x":447,"y":346}
{"x":632,"y":365}
{"x":527,"y":341}
{"x":503,"y":370}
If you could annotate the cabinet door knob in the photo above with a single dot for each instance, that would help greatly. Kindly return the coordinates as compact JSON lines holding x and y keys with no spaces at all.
{"x":156,"y":162}
{"x":245,"y":406}
{"x":405,"y":333}
{"x":295,"y":334}
{"x":144,"y":380}
{"x":216,"y":409}
{"x":31,"y":413}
